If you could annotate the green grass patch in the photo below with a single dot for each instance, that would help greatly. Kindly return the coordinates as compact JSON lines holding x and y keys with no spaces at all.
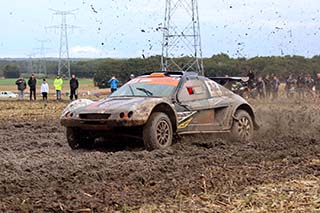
{"x":7,"y":82}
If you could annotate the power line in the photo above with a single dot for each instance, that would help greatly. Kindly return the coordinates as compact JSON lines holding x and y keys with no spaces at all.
{"x":181,"y":47}
{"x":64,"y":59}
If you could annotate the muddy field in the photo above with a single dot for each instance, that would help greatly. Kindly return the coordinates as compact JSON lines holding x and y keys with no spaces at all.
{"x":278,"y":171}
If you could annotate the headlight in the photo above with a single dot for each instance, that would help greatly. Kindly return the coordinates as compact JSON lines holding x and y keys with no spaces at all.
{"x":69,"y":115}
{"x":75,"y":105}
{"x":126,"y":115}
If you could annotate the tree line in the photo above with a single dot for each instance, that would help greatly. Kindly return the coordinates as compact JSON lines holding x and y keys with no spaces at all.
{"x":217,"y":65}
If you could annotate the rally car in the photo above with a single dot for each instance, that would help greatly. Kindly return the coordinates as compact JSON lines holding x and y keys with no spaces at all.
{"x":158,"y":106}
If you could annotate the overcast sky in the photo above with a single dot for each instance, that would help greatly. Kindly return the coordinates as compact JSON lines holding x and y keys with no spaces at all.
{"x":112,"y":28}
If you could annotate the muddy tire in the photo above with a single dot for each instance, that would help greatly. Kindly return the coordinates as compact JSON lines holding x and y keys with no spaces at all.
{"x":242,"y":128}
{"x":78,"y":139}
{"x":157,"y":133}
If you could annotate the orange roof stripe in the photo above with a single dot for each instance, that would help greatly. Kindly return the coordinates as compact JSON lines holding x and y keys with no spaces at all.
{"x":157,"y":75}
{"x":164,"y":80}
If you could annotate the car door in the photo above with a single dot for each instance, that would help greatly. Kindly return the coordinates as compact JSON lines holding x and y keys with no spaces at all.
{"x":220,"y":103}
{"x":193,"y":108}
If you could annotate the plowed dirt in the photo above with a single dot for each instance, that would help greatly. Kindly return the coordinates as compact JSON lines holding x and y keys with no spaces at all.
{"x":40,"y":173}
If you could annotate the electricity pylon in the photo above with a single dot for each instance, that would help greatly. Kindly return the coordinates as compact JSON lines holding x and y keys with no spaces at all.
{"x":181,"y":47}
{"x":42,"y":68}
{"x":30,"y":63}
{"x":64,"y":59}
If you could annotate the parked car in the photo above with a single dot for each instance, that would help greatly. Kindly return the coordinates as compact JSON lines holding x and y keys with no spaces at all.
{"x":155,"y":107}
{"x":8,"y":94}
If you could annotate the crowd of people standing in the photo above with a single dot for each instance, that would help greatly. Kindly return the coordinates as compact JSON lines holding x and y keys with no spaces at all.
{"x":44,"y":88}
{"x":268,"y":87}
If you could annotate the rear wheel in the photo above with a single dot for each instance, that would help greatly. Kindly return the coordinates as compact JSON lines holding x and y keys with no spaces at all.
{"x":157,"y":133}
{"x":78,"y":139}
{"x":242,"y":128}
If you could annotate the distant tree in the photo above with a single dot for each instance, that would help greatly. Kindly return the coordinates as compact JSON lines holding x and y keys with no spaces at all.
{"x":217,"y":65}
{"x":11,"y":71}
{"x":102,"y":74}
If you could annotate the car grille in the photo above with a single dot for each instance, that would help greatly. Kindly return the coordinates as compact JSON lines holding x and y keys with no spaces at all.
{"x":94,"y":116}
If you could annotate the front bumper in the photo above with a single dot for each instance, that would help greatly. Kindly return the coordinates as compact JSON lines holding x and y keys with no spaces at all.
{"x":100,"y":124}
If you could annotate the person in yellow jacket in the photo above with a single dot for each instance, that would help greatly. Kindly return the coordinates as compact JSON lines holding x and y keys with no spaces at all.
{"x":58,"y":86}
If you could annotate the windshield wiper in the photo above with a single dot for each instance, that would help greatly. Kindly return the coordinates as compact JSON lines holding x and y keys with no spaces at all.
{"x":148,"y":93}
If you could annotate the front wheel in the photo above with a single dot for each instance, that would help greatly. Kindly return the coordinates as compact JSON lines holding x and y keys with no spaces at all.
{"x":242,"y":128}
{"x":78,"y":139}
{"x":157,"y":133}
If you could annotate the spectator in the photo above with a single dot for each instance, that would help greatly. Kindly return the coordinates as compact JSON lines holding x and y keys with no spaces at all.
{"x":22,"y":85}
{"x":261,"y":88}
{"x":267,"y":82}
{"x":290,"y":83}
{"x":58,"y":86}
{"x":32,"y":82}
{"x":113,"y":84}
{"x":317,"y":86}
{"x":309,"y":83}
{"x":251,"y":77}
{"x":44,"y":90}
{"x":275,"y":84}
{"x":74,"y":85}
{"x":301,"y":87}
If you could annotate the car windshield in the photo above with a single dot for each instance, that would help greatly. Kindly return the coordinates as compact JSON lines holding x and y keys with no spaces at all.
{"x":147,"y":87}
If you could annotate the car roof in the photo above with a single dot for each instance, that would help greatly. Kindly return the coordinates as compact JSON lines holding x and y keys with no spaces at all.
{"x":156,"y":78}
{"x":173,"y":73}
{"x":230,"y":78}
{"x":177,"y":75}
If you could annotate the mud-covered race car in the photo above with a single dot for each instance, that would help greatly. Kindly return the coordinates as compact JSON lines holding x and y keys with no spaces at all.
{"x":158,"y":106}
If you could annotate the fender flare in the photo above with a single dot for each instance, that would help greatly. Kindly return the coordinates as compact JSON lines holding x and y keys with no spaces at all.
{"x":167,"y":109}
{"x":246,"y":107}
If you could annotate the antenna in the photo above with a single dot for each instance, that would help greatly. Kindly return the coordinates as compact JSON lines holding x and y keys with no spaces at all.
{"x":181,"y":47}
{"x":64,"y":59}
